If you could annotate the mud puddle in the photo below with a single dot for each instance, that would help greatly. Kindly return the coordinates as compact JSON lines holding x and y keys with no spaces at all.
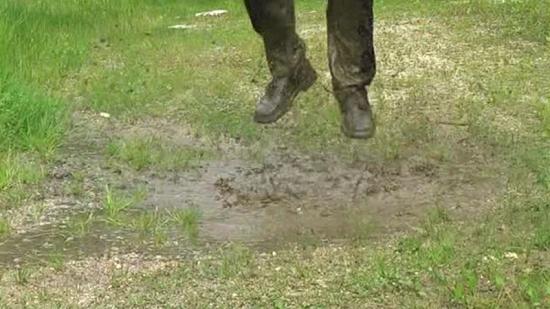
{"x":287,"y":199}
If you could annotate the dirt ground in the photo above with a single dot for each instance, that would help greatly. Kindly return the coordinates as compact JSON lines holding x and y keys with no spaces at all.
{"x":284,"y":198}
{"x":293,"y":211}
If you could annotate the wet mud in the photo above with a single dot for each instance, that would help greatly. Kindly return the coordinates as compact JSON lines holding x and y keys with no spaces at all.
{"x":292,"y":197}
{"x":296,"y":200}
{"x":287,"y":198}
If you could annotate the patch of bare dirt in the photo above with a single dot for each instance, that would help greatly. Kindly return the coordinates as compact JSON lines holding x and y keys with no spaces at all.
{"x":287,"y":197}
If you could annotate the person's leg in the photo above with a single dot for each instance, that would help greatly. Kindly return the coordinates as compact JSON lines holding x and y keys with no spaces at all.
{"x":275,"y":21}
{"x":352,"y":62}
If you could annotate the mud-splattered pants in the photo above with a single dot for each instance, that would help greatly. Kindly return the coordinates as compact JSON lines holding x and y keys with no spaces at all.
{"x":350,"y":39}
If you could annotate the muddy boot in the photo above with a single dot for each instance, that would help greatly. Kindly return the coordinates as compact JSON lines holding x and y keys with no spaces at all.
{"x":357,"y":116}
{"x":281,"y":92}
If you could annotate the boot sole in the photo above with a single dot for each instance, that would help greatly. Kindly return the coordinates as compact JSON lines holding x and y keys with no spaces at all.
{"x":281,"y":110}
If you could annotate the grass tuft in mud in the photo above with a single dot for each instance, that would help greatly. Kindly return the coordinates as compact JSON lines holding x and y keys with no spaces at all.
{"x":236,"y":260}
{"x":4,"y":227}
{"x":187,"y":221}
{"x":117,"y":203}
{"x":145,"y":153}
{"x":18,"y":174}
{"x":80,"y":225}
{"x":150,"y":225}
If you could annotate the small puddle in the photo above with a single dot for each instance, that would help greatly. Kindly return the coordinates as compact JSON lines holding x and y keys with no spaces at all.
{"x":267,"y":206}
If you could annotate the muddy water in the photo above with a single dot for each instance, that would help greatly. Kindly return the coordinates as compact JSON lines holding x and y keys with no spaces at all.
{"x":286,"y":199}
{"x":267,"y":203}
{"x":300,"y":197}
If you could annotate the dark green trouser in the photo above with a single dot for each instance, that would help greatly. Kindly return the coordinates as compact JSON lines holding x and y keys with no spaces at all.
{"x":350,"y":38}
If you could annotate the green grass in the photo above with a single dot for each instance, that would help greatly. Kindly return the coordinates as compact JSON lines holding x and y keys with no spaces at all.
{"x":235,"y":260}
{"x":145,"y":85}
{"x":544,"y":114}
{"x":28,"y":121}
{"x":145,"y":153}
{"x":117,"y":203}
{"x":80,"y":225}
{"x":137,"y":154}
{"x":491,"y":77}
{"x":187,"y":221}
{"x":14,"y":171}
{"x":17,"y":174}
{"x":150,"y":225}
{"x":525,"y":19}
{"x":76,"y":185}
{"x":4,"y":228}
{"x":56,"y":260}
{"x":22,"y":275}
{"x":43,"y":75}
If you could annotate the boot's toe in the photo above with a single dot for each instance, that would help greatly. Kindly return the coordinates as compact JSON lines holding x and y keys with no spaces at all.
{"x":265,"y":112}
{"x":357,"y":118}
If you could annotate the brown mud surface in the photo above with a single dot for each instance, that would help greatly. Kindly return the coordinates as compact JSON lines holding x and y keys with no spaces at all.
{"x":284,"y":198}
